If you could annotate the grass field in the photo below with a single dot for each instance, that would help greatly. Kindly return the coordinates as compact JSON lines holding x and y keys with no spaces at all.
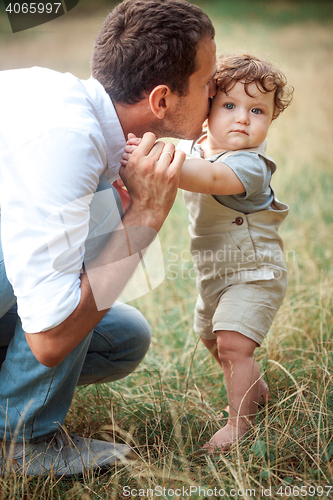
{"x":168,"y":408}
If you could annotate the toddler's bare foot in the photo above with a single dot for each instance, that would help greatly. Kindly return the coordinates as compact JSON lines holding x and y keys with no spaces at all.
{"x":264,"y":394}
{"x":223,"y":438}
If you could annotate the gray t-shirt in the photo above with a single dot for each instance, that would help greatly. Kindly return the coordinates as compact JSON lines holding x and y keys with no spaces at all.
{"x":254,"y":169}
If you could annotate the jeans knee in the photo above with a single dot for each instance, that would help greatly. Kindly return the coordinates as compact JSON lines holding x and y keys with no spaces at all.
{"x":142,"y":333}
{"x":118,"y":345}
{"x":124,"y":333}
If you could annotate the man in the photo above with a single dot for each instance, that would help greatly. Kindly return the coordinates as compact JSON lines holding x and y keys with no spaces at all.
{"x":153,"y":65}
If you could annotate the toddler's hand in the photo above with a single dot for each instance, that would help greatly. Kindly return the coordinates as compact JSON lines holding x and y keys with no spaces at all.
{"x":132,"y":144}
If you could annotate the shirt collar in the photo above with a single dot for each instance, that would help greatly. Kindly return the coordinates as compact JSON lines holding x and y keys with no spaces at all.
{"x":197,"y":148}
{"x":110,"y":125}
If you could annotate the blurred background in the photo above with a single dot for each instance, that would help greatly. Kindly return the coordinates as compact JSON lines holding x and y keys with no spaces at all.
{"x":297,"y":37}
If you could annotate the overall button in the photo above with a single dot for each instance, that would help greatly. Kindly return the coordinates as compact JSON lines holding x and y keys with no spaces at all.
{"x":239,"y":221}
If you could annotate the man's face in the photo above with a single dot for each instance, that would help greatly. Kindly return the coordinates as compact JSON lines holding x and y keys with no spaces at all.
{"x":185,"y":120}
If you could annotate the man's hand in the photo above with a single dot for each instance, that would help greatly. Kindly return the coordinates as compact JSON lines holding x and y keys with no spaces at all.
{"x":151,"y":177}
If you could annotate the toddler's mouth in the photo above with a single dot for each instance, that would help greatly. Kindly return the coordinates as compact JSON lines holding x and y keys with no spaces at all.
{"x":240,"y":131}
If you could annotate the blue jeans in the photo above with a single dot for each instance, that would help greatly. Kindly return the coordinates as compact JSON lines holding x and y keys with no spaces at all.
{"x":34,"y":399}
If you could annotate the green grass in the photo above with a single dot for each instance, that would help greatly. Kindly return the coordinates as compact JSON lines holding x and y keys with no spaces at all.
{"x":169,"y":407}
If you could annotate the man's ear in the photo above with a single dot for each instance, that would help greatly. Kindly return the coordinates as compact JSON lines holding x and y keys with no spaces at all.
{"x":160,"y":99}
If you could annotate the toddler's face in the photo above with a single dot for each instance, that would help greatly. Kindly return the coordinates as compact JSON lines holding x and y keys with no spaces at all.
{"x":238,"y":121}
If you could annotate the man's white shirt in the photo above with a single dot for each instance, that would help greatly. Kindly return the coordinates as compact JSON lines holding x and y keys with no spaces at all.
{"x":58,"y":134}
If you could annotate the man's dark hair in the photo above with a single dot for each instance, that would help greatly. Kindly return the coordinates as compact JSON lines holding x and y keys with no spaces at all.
{"x":145,"y":43}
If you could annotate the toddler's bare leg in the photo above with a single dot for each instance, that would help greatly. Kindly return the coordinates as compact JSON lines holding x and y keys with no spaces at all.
{"x":264,"y":394}
{"x":234,"y":352}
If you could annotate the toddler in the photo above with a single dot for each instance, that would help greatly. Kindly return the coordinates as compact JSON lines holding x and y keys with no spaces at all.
{"x":234,"y":219}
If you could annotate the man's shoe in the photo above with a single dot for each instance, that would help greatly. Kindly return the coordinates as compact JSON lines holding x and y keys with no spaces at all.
{"x":63,"y":455}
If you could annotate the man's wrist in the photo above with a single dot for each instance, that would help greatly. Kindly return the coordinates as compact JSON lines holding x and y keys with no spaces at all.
{"x":137,"y":215}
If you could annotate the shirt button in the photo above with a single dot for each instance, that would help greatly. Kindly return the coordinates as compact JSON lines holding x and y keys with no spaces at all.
{"x":239,"y":221}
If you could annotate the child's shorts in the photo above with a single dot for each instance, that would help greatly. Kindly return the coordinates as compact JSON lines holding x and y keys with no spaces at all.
{"x":248,"y":308}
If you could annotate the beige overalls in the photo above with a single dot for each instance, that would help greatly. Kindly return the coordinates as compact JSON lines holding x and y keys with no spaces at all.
{"x":241,"y":272}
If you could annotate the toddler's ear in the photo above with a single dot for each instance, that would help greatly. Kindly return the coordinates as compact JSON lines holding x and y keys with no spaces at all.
{"x":205,"y":125}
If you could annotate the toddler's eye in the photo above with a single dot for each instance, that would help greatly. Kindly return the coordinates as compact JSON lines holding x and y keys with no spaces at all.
{"x":229,"y":105}
{"x":256,"y":111}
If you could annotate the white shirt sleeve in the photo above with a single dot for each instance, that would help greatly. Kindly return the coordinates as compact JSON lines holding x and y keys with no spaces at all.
{"x":45,"y":197}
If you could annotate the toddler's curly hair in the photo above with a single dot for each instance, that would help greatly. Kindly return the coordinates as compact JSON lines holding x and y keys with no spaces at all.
{"x":247,"y":69}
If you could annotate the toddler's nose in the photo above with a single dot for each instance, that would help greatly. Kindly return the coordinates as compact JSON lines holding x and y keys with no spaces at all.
{"x":243,"y":116}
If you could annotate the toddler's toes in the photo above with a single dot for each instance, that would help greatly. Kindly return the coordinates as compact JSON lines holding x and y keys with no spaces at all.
{"x":224,"y":438}
{"x":211,"y":447}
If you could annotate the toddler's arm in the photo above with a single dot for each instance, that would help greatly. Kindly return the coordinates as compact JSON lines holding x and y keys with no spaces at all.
{"x":202,"y":176}
{"x":198,"y":175}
